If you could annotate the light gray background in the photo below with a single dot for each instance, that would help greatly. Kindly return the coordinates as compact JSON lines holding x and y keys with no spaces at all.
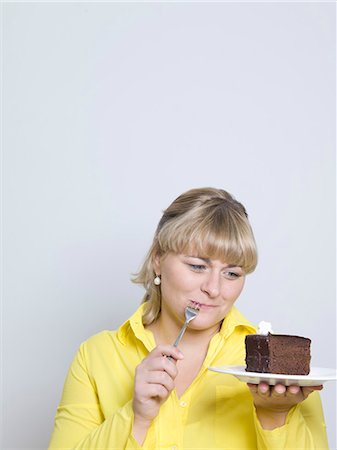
{"x":110,"y":111}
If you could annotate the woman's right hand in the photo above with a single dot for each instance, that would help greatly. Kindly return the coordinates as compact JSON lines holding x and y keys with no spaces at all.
{"x":154,"y":381}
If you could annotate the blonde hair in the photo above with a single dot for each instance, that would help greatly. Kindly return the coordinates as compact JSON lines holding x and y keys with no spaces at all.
{"x":209,"y":221}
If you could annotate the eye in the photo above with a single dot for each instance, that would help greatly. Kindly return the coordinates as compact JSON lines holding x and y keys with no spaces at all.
{"x":197,"y":267}
{"x":232,"y":275}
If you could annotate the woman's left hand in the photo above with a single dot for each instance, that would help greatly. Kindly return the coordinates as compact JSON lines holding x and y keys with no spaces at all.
{"x":273,"y":403}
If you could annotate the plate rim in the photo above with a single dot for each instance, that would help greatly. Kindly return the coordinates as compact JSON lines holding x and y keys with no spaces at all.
{"x":240,"y":371}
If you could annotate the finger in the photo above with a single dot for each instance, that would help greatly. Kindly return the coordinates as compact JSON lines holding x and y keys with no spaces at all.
{"x":158,"y":362}
{"x":156,"y":390}
{"x":164,"y":364}
{"x":279,"y":390}
{"x":170,"y":367}
{"x":307,"y":390}
{"x":173,"y":358}
{"x":314,"y":388}
{"x":168,"y":350}
{"x":293,"y":389}
{"x":263,"y":389}
{"x":145,"y":391}
{"x":162,"y":378}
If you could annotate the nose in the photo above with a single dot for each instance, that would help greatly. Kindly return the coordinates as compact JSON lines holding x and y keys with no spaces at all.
{"x":211,"y":284}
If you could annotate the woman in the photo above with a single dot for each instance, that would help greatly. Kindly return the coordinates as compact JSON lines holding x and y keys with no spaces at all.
{"x":133,"y":389}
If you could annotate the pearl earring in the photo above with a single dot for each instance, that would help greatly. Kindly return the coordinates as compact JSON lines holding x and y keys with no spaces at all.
{"x":157,"y":280}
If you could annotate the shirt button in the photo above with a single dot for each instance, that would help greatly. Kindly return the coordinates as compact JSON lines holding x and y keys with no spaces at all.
{"x":183,"y":404}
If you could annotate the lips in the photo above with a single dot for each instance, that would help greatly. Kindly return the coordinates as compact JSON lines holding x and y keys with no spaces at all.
{"x":201,"y":305}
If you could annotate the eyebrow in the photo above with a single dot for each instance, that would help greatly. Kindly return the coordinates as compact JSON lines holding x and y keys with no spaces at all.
{"x":208,"y":261}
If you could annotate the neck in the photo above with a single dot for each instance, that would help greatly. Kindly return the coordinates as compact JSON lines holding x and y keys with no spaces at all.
{"x":165,"y":332}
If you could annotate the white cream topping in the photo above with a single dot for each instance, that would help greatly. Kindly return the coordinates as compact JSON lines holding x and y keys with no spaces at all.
{"x":264,"y":328}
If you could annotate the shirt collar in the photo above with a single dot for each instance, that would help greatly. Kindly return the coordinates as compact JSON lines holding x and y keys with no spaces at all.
{"x":135,"y":324}
{"x":235,"y":319}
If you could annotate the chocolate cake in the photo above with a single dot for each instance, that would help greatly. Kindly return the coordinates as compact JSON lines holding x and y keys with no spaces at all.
{"x":278,"y":353}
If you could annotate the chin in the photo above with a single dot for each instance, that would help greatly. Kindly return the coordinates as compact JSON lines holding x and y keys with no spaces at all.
{"x":204,"y":324}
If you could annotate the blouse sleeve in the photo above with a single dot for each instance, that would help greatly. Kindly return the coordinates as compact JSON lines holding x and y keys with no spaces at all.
{"x":304,"y":429}
{"x":79,"y":422}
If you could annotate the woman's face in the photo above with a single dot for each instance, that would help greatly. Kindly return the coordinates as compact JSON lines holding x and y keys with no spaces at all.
{"x":186,"y":278}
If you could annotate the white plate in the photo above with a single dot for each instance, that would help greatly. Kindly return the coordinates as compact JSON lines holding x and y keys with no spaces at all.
{"x":316,"y":377}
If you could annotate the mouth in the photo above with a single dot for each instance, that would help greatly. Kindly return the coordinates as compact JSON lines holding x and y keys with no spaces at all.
{"x":199,"y":305}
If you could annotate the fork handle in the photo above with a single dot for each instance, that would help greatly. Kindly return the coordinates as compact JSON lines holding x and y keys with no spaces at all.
{"x":180,"y":335}
{"x":177,"y":341}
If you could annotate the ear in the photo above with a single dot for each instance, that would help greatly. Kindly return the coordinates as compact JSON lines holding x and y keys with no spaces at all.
{"x":156,"y":264}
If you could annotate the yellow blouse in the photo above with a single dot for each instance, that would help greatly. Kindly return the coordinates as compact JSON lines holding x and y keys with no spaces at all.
{"x":215,"y":412}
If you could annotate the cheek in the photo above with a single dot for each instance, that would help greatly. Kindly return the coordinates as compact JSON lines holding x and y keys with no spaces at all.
{"x":178,"y":280}
{"x":236,"y":290}
{"x":240,"y":287}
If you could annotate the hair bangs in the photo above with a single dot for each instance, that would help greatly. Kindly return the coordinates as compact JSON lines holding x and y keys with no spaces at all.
{"x":223,"y":236}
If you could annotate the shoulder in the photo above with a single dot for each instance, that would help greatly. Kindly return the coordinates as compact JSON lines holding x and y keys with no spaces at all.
{"x":99,"y":340}
{"x":96,"y":353}
{"x":107,"y":342}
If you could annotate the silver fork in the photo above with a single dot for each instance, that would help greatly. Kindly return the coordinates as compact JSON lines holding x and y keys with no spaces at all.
{"x":191,"y":313}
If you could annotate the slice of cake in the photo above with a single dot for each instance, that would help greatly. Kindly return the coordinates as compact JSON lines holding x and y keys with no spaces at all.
{"x":278,"y":353}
